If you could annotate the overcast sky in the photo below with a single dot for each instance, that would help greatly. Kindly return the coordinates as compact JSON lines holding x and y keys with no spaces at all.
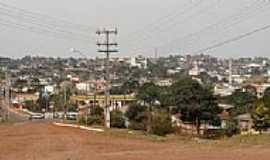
{"x":143,"y":25}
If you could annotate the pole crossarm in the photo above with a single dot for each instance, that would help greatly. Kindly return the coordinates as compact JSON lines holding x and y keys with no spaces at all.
{"x":106,"y":47}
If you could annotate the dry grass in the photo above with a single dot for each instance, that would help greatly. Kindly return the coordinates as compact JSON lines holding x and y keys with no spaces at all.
{"x":39,"y":141}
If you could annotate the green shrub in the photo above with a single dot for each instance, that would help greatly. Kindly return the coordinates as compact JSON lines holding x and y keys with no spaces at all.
{"x":137,"y":117}
{"x":231,"y":128}
{"x":96,"y":116}
{"x":95,"y":120}
{"x":138,"y":125}
{"x":97,"y":110}
{"x":117,"y":119}
{"x":82,"y":121}
{"x":161,"y":124}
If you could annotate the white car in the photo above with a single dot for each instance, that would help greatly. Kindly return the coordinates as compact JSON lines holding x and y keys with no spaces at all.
{"x":37,"y":116}
{"x":71,"y":116}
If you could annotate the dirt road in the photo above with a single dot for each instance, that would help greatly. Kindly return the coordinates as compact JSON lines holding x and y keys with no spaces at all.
{"x":43,"y":141}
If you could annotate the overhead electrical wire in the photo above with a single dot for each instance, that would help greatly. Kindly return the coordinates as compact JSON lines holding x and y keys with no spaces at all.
{"x":165,"y":19}
{"x":220,"y":27}
{"x":176,"y":21}
{"x":228,"y":29}
{"x":22,"y":19}
{"x":138,"y":48}
{"x":37,"y":23}
{"x":231,"y":40}
{"x":46,"y":18}
{"x":32,"y":26}
{"x":40,"y":31}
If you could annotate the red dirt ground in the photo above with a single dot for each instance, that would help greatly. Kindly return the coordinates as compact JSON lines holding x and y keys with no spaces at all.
{"x":41,"y":141}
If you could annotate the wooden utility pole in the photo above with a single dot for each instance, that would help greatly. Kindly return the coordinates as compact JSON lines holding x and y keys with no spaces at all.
{"x":7,"y":97}
{"x":107,"y":49}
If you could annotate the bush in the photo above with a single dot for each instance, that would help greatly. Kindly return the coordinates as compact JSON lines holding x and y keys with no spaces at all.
{"x":31,"y":106}
{"x":117,"y":119}
{"x":161,"y":124}
{"x":137,"y":117}
{"x":231,"y":128}
{"x":97,"y":110}
{"x":96,"y":116}
{"x":82,"y":121}
{"x":138,"y":126}
{"x":95,"y":120}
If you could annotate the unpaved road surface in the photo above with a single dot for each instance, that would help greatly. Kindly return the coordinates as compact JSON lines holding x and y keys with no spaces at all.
{"x":43,"y":141}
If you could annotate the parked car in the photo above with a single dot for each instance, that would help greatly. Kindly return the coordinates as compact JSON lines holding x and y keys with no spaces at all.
{"x":71,"y":116}
{"x":37,"y":116}
{"x":59,"y":115}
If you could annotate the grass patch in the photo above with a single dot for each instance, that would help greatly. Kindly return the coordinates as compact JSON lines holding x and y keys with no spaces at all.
{"x":142,"y":135}
{"x":235,"y":141}
{"x":248,"y":140}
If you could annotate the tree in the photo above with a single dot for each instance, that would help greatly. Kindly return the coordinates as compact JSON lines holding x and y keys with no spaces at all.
{"x":267,"y":92}
{"x":149,"y":93}
{"x":165,"y":98}
{"x":137,"y":117}
{"x":161,"y":124}
{"x":58,"y":101}
{"x":117,"y":119}
{"x":30,"y":105}
{"x":242,"y":101}
{"x":115,"y":90}
{"x":158,"y":68}
{"x":207,"y":79}
{"x":128,"y":87}
{"x":62,"y":99}
{"x":261,"y":116}
{"x":43,"y":101}
{"x":231,"y":127}
{"x":195,"y":102}
{"x":266,"y":97}
{"x":96,"y":116}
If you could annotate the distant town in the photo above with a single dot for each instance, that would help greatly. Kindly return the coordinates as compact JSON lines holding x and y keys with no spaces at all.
{"x":73,"y":89}
{"x":134,"y":80}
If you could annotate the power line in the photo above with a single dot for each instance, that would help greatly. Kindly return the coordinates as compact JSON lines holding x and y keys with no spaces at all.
{"x":222,"y":30}
{"x":44,"y":18}
{"x":173,"y":24}
{"x":165,"y":19}
{"x":25,"y":20}
{"x":237,"y":38}
{"x":219,"y":27}
{"x":42,"y":31}
{"x":223,"y":25}
{"x":37,"y":23}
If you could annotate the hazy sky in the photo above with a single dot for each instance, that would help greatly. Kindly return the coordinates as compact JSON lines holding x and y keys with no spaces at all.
{"x":143,"y":25}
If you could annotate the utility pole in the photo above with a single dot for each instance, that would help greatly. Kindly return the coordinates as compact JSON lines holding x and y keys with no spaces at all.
{"x":230,"y":71}
{"x":2,"y":111}
{"x":65,"y":103}
{"x":7,"y":96}
{"x":95,"y":92}
{"x":107,"y":45}
{"x":156,"y":53}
